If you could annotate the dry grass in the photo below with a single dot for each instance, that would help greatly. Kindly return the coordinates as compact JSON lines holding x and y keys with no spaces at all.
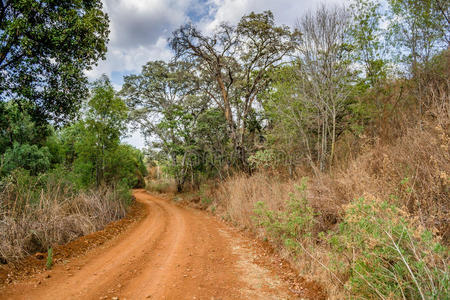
{"x":161,"y":185}
{"x":403,"y":159}
{"x":32,"y":220}
{"x":412,"y":172}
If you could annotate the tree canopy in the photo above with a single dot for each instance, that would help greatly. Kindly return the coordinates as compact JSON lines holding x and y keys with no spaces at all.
{"x":45,"y":46}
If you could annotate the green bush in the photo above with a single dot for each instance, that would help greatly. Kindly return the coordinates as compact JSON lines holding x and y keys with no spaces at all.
{"x":29,"y":157}
{"x":385,"y":255}
{"x":377,"y":251}
{"x":291,"y":227}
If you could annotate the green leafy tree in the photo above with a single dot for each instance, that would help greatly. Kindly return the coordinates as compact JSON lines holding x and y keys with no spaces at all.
{"x":234,"y":62}
{"x":419,"y":29}
{"x":103,"y":126}
{"x":45,"y":46}
{"x":165,"y":106}
{"x":126,"y":164}
{"x":368,"y":42}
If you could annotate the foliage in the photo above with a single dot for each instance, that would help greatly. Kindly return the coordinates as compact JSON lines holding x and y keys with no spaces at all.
{"x":367,"y":39}
{"x":164,"y":105}
{"x":293,"y":226}
{"x":29,"y":157}
{"x":49,"y":262}
{"x":388,"y":256}
{"x":17,"y":126}
{"x":264,"y":159}
{"x":100,"y":132}
{"x":419,"y":29}
{"x":45,"y":46}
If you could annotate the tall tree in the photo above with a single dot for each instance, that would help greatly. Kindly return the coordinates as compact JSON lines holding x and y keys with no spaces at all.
{"x":419,"y":29}
{"x":45,"y":46}
{"x":103,"y":126}
{"x":234,"y":62}
{"x":164,"y":104}
{"x":368,"y":40}
{"x":325,"y":74}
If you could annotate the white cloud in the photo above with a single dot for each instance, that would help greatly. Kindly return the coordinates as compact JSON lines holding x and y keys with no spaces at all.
{"x":140,"y":28}
{"x":130,"y":60}
{"x":139,"y":32}
{"x":285,"y":11}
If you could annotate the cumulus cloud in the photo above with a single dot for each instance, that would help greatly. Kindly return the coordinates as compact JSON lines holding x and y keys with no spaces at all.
{"x":139,"y":32}
{"x":140,"y":28}
{"x":285,"y":11}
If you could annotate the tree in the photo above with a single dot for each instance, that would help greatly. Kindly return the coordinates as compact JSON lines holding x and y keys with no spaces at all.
{"x":325,"y":75}
{"x":164,"y":104}
{"x":420,"y":29}
{"x":234,"y":62}
{"x":367,"y":40}
{"x":45,"y":46}
{"x":102,"y":128}
{"x":291,"y":122}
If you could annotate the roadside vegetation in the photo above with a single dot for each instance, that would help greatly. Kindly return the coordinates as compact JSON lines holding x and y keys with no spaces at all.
{"x":63,"y":170}
{"x":330,"y":140}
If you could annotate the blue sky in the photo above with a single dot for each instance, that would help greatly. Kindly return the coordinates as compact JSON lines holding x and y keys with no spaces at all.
{"x":140,"y":29}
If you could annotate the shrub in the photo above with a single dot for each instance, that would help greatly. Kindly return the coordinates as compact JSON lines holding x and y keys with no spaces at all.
{"x":30,"y":157}
{"x":384,"y":254}
{"x":291,"y":227}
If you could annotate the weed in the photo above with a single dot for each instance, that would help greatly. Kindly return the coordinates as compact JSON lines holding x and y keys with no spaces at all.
{"x":386,"y":256}
{"x":49,"y":263}
{"x":290,"y":227}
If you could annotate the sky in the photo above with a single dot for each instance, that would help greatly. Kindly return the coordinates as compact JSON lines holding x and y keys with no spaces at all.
{"x":140,"y":29}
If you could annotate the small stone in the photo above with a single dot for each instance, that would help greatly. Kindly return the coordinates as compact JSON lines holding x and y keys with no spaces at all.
{"x":48,"y":276}
{"x":119,"y":285}
{"x":115,"y":298}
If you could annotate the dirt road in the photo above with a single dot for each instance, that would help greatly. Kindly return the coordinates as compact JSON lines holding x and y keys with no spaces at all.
{"x":173,"y":253}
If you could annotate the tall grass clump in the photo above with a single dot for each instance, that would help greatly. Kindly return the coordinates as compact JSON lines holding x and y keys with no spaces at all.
{"x":38,"y":212}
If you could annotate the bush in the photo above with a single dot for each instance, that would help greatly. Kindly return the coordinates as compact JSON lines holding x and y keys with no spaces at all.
{"x":291,"y":227}
{"x":385,"y":255}
{"x":30,"y":157}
